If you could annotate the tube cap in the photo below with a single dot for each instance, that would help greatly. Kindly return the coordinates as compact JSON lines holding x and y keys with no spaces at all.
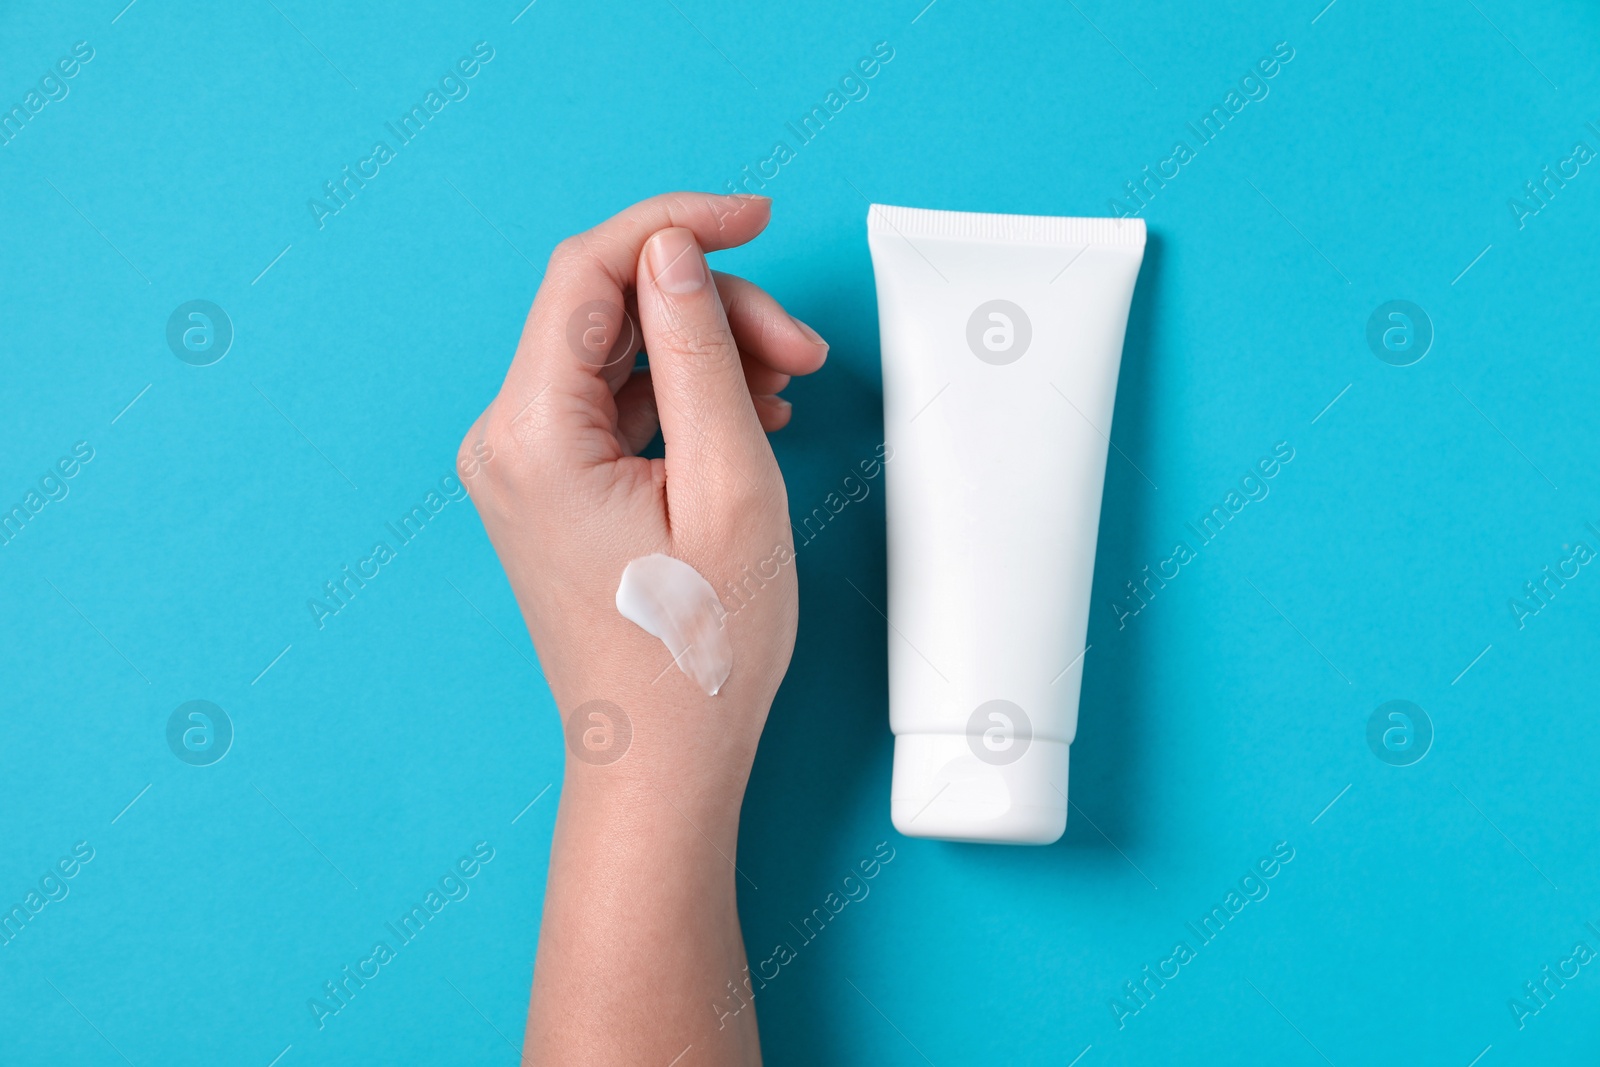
{"x":943,"y":788}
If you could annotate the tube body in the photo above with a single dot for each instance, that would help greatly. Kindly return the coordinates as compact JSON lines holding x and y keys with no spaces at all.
{"x":1001,"y":340}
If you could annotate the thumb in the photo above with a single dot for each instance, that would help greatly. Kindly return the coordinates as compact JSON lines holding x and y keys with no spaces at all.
{"x":716,"y":449}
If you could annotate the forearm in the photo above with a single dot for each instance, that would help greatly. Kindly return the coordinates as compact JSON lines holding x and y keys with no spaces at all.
{"x":640,"y":935}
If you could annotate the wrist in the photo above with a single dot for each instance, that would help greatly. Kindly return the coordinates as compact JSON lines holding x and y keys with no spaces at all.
{"x":668,"y":802}
{"x":651,"y":836}
{"x":649,"y":760}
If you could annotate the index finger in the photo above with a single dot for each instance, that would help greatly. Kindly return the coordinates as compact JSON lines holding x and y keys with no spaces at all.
{"x":556,"y":384}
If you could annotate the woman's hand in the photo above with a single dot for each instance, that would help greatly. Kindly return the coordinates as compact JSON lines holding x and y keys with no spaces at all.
{"x":656,"y":768}
{"x":568,"y":502}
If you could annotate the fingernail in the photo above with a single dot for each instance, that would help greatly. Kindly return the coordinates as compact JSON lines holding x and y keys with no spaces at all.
{"x":812,"y":335}
{"x":676,"y":262}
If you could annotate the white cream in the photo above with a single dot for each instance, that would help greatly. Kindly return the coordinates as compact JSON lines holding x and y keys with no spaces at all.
{"x":669,"y":599}
{"x":1002,"y":337}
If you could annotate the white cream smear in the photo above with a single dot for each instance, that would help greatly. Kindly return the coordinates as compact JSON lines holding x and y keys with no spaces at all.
{"x":670,"y":600}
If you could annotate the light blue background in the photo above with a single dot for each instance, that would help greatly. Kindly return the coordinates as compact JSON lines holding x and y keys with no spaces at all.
{"x":1223,"y":719}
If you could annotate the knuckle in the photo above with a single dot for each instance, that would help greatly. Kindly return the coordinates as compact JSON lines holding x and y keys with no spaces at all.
{"x":585,"y":253}
{"x":495,"y":453}
{"x":528,"y":455}
{"x":568,"y":251}
{"x":699,"y":343}
{"x":476,"y":453}
{"x":504,"y":438}
{"x":746,"y":495}
{"x":758,"y":500}
{"x":466,"y":455}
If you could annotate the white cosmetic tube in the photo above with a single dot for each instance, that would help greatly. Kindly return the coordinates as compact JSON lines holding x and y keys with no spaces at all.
{"x":1002,"y":338}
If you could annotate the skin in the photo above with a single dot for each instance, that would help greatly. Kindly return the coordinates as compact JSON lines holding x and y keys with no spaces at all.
{"x":640,"y":935}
